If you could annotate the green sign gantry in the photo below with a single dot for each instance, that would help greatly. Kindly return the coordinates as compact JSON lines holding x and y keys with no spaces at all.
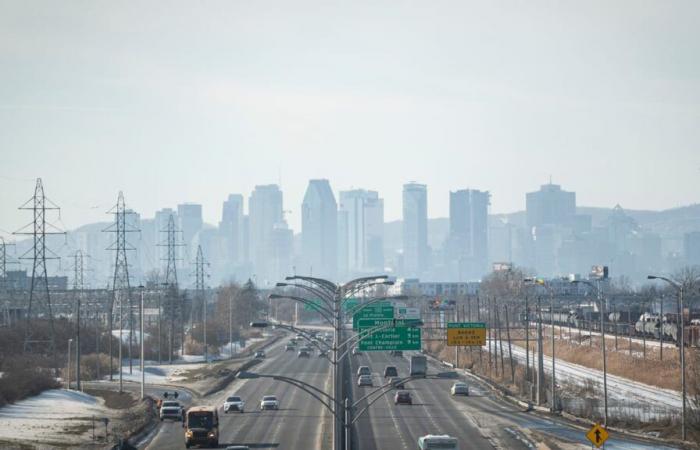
{"x":397,"y":338}
{"x":376,"y":312}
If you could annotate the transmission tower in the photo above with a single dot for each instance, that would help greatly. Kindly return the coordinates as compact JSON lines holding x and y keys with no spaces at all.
{"x":171,"y":243}
{"x":39,"y":296}
{"x":78,"y":286}
{"x":199,"y":286}
{"x":120,"y":282}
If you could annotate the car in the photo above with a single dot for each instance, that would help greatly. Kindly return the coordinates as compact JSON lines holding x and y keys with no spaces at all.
{"x":396,"y":353}
{"x":306,"y":348}
{"x":396,"y":382}
{"x":356,"y":351}
{"x":390,"y":371}
{"x":322,"y":353}
{"x":403,"y":397}
{"x":364,"y":370}
{"x":260,"y":354}
{"x":170,"y":410}
{"x":289,"y":347}
{"x":269,"y":402}
{"x":234,"y":403}
{"x":303,"y":353}
{"x":364,"y":380}
{"x":459,"y":388}
{"x":430,"y":441}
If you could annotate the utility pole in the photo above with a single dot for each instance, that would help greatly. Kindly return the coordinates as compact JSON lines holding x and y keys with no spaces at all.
{"x":171,"y":243}
{"x":143,"y":365}
{"x":199,"y":273}
{"x":39,"y":296}
{"x":540,"y":356}
{"x":78,"y":286}
{"x":120,"y":282}
{"x":4,"y":290}
{"x":554,"y":372}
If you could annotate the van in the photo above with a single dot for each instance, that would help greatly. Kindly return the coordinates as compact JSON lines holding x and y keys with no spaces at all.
{"x":437,"y":442}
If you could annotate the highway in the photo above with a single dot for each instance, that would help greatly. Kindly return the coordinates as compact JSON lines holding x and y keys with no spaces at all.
{"x":301,"y":423}
{"x":480,"y":421}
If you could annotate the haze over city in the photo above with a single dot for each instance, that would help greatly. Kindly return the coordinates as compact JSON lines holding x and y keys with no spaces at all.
{"x":184,"y":103}
{"x":350,"y":225}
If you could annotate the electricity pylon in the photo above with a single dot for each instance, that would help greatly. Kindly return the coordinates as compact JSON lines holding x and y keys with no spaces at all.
{"x":120,"y":283}
{"x":171,"y":243}
{"x":39,"y":295}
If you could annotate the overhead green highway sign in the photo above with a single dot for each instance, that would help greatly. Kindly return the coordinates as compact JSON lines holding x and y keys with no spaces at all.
{"x":397,"y":338}
{"x":373,"y":312}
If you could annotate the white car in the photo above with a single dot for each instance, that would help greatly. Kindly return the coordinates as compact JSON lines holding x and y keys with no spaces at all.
{"x":269,"y":402}
{"x":459,"y":388}
{"x":364,"y":380}
{"x":234,"y":403}
{"x":170,"y":410}
{"x":364,"y":370}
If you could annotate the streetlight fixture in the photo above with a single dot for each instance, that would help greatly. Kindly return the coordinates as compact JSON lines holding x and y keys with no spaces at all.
{"x":679,"y":290}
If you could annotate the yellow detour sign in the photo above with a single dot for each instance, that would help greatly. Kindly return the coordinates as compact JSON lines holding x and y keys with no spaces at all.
{"x":465,"y":334}
{"x":597,"y":435}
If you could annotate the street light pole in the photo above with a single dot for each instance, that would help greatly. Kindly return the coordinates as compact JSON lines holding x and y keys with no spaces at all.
{"x":70,"y":344}
{"x":230,"y":326}
{"x":681,"y":341}
{"x":143,"y":373}
{"x":601,"y":310}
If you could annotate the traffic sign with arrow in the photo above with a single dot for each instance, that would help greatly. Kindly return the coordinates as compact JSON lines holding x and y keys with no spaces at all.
{"x":597,"y":435}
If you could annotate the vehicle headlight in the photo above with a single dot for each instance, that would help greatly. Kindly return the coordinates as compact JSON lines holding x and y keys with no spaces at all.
{"x":188,"y":433}
{"x":212,"y":434}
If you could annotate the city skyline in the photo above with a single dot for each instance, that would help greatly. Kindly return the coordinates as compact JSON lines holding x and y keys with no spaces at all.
{"x":461,"y":96}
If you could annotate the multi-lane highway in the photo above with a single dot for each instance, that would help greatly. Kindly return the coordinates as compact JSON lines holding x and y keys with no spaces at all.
{"x":300,"y":423}
{"x":480,"y":421}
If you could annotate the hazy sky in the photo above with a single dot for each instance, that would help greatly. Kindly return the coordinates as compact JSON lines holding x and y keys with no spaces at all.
{"x":189,"y":101}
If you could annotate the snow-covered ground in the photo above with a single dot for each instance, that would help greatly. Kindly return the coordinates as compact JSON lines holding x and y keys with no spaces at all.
{"x":50,"y":416}
{"x":619,"y":388}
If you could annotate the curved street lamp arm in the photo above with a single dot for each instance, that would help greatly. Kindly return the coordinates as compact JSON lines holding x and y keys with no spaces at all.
{"x":384,"y":387}
{"x":356,"y":281}
{"x":320,"y":309}
{"x":311,"y":387}
{"x":317,"y":292}
{"x":328,"y":285}
{"x":364,"y":285}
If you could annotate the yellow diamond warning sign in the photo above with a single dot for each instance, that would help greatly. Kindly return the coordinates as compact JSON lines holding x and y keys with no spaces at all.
{"x":597,"y":435}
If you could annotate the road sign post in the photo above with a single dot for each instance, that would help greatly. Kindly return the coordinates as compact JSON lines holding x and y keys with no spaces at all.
{"x":597,"y":435}
{"x":466,"y":334}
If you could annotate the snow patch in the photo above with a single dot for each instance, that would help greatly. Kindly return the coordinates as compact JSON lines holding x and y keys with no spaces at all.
{"x":45,"y":417}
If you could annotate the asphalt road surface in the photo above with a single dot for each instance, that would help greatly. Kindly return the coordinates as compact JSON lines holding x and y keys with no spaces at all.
{"x":299,"y":424}
{"x":479,"y":421}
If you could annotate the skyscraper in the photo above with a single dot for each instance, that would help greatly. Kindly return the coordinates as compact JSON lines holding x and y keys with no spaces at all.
{"x":550,"y":206}
{"x":415,"y":229}
{"x":189,"y":216}
{"x":468,"y":239}
{"x":265,"y":210}
{"x":319,"y":228}
{"x":363,"y":233}
{"x":231,"y":229}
